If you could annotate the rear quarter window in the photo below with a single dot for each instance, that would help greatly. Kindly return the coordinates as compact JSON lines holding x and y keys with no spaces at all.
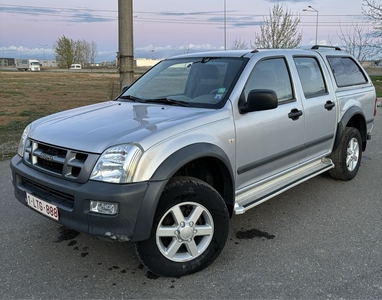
{"x":346,"y":71}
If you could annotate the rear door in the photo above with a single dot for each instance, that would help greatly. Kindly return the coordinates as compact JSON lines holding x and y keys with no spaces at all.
{"x":319,"y":105}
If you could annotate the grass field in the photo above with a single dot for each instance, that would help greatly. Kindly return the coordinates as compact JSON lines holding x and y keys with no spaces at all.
{"x":26,"y":96}
{"x":377,"y":80}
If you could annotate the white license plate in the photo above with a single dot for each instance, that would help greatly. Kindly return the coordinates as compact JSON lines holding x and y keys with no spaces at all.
{"x":42,"y":206}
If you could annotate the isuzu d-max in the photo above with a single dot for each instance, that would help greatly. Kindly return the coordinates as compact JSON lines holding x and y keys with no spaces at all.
{"x":196,"y":139}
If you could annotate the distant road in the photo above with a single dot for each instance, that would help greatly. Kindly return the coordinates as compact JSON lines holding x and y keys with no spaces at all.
{"x":376,"y":71}
{"x":106,"y":70}
{"x":114,"y":70}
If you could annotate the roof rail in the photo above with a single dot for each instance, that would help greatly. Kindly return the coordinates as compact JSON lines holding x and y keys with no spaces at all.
{"x":325,"y":46}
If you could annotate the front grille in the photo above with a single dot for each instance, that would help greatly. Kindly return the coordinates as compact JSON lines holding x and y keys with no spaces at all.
{"x":69,"y":164}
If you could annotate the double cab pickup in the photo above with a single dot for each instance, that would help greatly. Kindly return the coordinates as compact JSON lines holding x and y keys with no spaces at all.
{"x":195,"y":140}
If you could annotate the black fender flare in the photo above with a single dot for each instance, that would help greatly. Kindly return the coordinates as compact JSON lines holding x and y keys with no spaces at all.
{"x":349,"y":114}
{"x":163,"y":174}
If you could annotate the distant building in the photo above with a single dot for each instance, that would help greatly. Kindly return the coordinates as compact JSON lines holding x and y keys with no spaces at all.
{"x":48,"y":63}
{"x":7,"y":62}
{"x":146,"y":62}
{"x":11,"y":62}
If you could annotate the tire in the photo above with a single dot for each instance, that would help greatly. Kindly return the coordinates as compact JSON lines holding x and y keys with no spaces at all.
{"x":189,"y":231}
{"x":347,"y":157}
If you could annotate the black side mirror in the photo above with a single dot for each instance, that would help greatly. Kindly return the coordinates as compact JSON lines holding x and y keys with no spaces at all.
{"x":258,"y":100}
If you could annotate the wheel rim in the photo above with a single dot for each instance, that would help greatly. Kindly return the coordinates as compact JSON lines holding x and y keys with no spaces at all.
{"x":352,"y":156}
{"x":184,"y":232}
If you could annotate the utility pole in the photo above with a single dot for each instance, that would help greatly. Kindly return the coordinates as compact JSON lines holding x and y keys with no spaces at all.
{"x":126,"y":47}
{"x":225,"y":25}
{"x":44,"y":52}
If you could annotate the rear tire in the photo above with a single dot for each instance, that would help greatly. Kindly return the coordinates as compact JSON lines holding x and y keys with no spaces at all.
{"x":189,"y":231}
{"x":347,"y":157}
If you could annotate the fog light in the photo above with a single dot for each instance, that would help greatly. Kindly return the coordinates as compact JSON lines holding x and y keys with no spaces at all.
{"x":106,"y":208}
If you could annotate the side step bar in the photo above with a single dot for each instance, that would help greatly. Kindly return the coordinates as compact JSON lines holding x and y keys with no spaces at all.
{"x":264,"y":191}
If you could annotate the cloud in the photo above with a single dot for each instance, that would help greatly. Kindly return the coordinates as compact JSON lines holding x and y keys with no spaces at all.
{"x":194,"y":13}
{"x":140,"y":52}
{"x":26,"y":10}
{"x":25,"y":52}
{"x":76,"y":15}
{"x":88,"y":18}
{"x":167,"y":51}
{"x":238,"y":22}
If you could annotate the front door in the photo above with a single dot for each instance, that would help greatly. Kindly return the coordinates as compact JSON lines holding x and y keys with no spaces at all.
{"x":269,"y":142}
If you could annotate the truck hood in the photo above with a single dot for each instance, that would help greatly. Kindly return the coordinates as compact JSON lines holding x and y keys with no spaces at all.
{"x":96,"y":127}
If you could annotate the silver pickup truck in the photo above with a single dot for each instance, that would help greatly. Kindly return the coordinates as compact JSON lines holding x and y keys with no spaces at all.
{"x":198,"y":138}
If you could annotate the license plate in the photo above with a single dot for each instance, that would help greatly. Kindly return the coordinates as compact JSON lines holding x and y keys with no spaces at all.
{"x":42,"y":206}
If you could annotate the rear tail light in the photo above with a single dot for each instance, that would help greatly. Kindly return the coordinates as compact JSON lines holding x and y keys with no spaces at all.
{"x":375,"y":106}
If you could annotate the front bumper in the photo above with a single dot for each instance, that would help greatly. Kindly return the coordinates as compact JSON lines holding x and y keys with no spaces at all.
{"x":73,"y":202}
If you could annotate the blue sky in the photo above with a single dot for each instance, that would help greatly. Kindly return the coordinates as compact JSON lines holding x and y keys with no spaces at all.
{"x":29,"y":28}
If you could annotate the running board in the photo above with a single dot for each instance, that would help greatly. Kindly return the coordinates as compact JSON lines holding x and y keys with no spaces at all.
{"x":271,"y":188}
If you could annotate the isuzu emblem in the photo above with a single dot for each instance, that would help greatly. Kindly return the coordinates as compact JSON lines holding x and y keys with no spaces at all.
{"x":46,"y":156}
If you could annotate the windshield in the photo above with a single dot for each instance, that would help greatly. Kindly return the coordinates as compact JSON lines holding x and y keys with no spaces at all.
{"x":197,"y":82}
{"x":35,"y":63}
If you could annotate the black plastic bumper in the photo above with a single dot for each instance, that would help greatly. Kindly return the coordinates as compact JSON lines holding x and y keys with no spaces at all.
{"x":73,"y":202}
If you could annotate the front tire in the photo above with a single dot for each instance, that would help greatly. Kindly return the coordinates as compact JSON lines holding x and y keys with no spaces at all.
{"x":189,"y":231}
{"x":347,"y":157}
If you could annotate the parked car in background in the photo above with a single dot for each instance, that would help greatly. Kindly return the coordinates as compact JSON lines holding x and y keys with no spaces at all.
{"x":75,"y":67}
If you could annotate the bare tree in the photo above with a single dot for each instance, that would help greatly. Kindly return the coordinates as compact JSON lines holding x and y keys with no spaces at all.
{"x":78,"y":50}
{"x":86,"y":49}
{"x":186,"y":49}
{"x":280,"y":30}
{"x":358,"y":42}
{"x":93,"y":52}
{"x":238,"y":44}
{"x":374,"y":12}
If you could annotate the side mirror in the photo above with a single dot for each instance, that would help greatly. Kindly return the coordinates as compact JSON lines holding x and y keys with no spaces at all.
{"x":260,"y":99}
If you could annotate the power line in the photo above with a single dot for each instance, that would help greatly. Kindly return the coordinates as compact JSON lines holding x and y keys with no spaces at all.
{"x":63,"y":8}
{"x":171,"y":18}
{"x":172,"y":14}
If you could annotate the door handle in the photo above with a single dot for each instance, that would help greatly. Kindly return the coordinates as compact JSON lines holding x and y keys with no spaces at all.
{"x":329,"y":105}
{"x":295,"y":114}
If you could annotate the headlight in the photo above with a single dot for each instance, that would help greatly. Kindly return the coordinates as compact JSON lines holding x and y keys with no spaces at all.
{"x":117,"y":164}
{"x":23,"y":140}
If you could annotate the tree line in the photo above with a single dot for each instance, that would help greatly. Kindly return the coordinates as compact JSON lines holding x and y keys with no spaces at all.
{"x":69,"y":51}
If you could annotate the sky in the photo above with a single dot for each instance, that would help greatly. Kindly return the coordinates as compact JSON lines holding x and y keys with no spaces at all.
{"x":162,"y":28}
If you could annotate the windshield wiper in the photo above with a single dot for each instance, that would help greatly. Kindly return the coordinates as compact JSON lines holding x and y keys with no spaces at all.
{"x":168,"y":101}
{"x":157,"y":100}
{"x":129,"y":97}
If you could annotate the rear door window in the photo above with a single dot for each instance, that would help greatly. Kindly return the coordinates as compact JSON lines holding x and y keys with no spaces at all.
{"x":346,"y":71}
{"x":311,"y":77}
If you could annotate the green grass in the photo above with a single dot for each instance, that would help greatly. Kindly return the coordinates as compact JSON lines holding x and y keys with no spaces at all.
{"x":11,"y":132}
{"x":377,"y":80}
